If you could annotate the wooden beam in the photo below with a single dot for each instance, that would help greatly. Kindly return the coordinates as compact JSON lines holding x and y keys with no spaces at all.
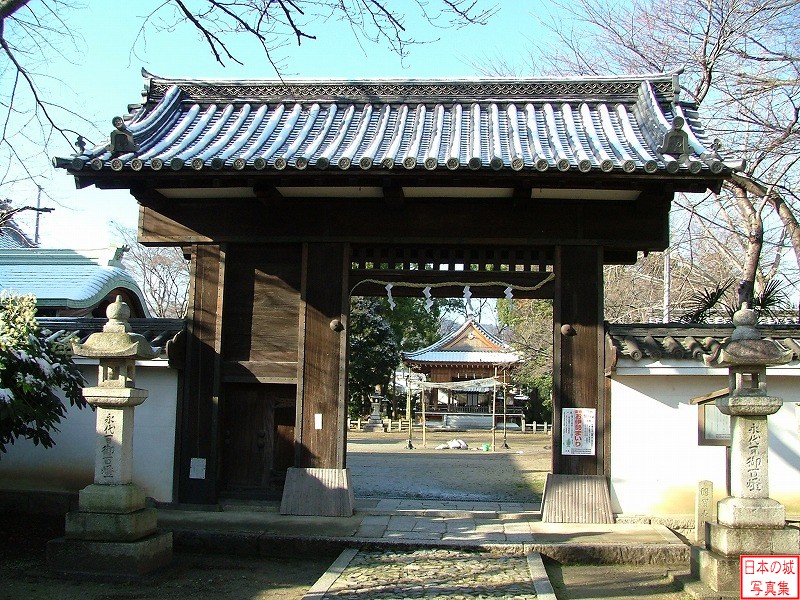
{"x":613,"y":225}
{"x":393,"y":195}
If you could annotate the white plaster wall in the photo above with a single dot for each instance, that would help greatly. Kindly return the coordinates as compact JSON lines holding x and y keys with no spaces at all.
{"x":656,"y":461}
{"x":69,"y":465}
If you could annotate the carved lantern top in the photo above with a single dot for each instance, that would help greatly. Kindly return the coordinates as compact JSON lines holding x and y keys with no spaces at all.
{"x":746,"y":347}
{"x":116,"y":339}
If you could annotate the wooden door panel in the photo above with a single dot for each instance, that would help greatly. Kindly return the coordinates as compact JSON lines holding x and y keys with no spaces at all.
{"x":247,"y":438}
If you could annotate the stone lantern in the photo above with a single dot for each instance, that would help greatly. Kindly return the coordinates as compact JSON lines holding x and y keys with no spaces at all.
{"x":112,"y":532}
{"x":748,"y":521}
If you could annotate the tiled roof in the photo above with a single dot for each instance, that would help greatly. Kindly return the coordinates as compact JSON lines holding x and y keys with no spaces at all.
{"x":12,"y":237}
{"x":686,"y":342}
{"x":73,"y":279}
{"x":456,"y":347}
{"x":617,"y":124}
{"x":157,"y":332}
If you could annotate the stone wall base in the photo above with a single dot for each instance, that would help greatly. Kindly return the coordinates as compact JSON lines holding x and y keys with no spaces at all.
{"x":319,"y":492}
{"x":112,"y":560}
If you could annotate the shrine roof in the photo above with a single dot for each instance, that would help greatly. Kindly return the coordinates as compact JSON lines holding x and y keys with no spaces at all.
{"x":633,"y":125}
{"x":64,"y":278}
{"x":469,"y":344}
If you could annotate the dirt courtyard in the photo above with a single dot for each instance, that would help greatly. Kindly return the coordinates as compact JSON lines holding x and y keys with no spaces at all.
{"x":381,"y":465}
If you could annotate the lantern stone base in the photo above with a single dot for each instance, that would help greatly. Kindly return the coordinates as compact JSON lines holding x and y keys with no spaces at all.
{"x":717,"y":565}
{"x":751,"y":512}
{"x":735,"y":541}
{"x":111,"y":560}
{"x":319,"y":492}
{"x":126,"y":527}
{"x":718,"y":575}
{"x":111,"y":498}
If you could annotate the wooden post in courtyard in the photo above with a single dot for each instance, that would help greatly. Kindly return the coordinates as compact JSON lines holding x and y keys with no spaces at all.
{"x":319,"y":483}
{"x":578,"y":352}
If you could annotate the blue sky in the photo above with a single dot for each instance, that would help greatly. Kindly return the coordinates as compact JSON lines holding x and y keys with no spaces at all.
{"x":101,"y":75}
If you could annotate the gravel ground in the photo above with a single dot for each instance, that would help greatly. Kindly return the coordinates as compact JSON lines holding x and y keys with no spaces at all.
{"x":381,"y":465}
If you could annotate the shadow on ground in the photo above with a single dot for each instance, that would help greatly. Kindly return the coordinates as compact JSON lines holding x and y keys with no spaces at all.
{"x":24,"y":574}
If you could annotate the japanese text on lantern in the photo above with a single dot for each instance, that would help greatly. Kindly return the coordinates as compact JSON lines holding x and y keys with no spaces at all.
{"x":107,"y":450}
{"x":753,"y":458}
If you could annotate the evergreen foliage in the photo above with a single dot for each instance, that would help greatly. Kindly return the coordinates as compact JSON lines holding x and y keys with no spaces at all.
{"x":374,"y":352}
{"x":32,"y":366}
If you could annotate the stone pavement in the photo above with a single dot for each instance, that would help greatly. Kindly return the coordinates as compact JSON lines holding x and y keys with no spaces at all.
{"x":507,"y":528}
{"x":399,"y":548}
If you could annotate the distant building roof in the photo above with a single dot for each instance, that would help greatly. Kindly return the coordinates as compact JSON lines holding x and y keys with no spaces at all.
{"x":634,"y":125}
{"x":12,"y":237}
{"x":70,"y":282}
{"x":469,"y":344}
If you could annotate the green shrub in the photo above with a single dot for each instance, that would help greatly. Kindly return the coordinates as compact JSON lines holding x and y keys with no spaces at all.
{"x":32,"y":365}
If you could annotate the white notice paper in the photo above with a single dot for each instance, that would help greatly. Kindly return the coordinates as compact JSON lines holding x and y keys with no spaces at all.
{"x":577,"y":431}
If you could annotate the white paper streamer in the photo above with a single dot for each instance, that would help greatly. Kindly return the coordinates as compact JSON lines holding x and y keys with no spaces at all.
{"x":468,"y":299}
{"x":509,"y":294}
{"x":392,"y":303}
{"x":428,"y":300}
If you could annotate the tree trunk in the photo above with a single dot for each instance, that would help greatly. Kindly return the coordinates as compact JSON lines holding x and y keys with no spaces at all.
{"x":755,"y":240}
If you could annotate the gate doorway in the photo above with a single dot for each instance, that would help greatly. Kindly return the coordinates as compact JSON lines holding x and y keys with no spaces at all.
{"x":287,"y":194}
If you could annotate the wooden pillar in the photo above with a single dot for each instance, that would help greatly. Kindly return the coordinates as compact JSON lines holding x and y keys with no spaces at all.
{"x":578,"y":380}
{"x":319,"y":483}
{"x":198,"y":418}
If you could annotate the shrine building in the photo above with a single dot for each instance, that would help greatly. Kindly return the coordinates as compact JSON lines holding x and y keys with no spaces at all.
{"x":288,"y":197}
{"x":467,"y":354}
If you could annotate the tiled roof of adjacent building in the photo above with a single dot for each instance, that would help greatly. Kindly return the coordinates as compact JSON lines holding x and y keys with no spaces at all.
{"x":157,"y":332}
{"x":686,"y":342}
{"x":12,"y":237}
{"x":469,"y":344}
{"x":63,"y":278}
{"x":627,"y":125}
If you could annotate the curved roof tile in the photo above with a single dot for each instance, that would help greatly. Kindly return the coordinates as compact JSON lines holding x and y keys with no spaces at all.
{"x":582,"y":125}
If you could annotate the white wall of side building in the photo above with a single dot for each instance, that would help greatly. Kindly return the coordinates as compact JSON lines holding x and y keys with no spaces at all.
{"x":656,"y":461}
{"x":69,"y":465}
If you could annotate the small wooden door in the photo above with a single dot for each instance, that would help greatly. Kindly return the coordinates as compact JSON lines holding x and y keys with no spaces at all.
{"x":248,"y":438}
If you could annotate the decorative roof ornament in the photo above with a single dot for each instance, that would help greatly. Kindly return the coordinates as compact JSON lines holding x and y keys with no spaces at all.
{"x":121,"y":140}
{"x":676,"y":141}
